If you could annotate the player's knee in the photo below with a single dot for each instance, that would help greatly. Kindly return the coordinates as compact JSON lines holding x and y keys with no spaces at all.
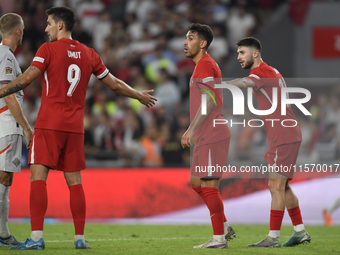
{"x":37,"y":176}
{"x":210,"y":183}
{"x":276,"y":185}
{"x":195,"y":182}
{"x":10,"y":181}
{"x":6,"y":178}
{"x":72,"y":178}
{"x":5,"y":182}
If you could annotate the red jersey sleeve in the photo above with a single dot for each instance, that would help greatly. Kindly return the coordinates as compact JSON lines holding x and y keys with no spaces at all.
{"x":42,"y":58}
{"x":99,"y":69}
{"x":205,"y":76}
{"x":258,"y":77}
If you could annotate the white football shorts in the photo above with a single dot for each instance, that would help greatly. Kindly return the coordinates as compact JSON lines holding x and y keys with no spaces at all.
{"x":10,"y":153}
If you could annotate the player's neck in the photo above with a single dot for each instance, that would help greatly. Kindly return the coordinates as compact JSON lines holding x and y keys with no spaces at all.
{"x":66,"y":35}
{"x":198,"y":57}
{"x":257,"y":63}
{"x":9,"y":43}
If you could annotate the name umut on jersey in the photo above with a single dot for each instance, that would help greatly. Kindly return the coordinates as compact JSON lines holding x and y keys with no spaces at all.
{"x":73,"y":54}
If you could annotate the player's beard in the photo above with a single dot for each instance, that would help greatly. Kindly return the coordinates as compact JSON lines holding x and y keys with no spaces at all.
{"x":53,"y":37}
{"x":248,"y":63}
{"x":189,"y":53}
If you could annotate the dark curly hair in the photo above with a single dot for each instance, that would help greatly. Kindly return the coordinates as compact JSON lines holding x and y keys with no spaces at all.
{"x":63,"y":14}
{"x":204,"y":32}
{"x":250,"y":42}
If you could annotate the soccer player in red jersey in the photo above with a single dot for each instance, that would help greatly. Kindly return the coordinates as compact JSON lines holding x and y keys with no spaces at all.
{"x":65,"y":67}
{"x":211,"y":144}
{"x":284,"y":142}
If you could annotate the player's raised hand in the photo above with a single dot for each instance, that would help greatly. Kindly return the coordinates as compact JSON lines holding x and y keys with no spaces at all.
{"x":147,"y":99}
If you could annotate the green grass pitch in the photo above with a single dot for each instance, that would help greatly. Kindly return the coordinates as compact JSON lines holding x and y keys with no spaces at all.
{"x":160,"y":239}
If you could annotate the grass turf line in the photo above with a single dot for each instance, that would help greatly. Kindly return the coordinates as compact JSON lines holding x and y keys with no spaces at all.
{"x":159,"y":239}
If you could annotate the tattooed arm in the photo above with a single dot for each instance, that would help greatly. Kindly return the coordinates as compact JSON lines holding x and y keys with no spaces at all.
{"x":21,"y":82}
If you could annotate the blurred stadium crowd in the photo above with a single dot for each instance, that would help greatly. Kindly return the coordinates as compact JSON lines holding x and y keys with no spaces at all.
{"x":141,"y":42}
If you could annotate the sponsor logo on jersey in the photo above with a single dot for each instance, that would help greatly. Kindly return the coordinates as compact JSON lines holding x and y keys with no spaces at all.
{"x":9,"y":70}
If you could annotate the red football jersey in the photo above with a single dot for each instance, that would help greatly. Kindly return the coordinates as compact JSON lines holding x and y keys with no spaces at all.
{"x":205,"y":76}
{"x":266,"y":78}
{"x":66,"y":66}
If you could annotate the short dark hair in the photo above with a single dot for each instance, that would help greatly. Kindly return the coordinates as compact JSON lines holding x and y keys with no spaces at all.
{"x":63,"y":14}
{"x":250,"y":42}
{"x":203,"y":31}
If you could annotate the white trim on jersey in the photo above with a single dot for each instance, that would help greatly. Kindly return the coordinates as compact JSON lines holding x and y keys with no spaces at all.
{"x":255,"y":76}
{"x":208,"y":79}
{"x":276,"y":71}
{"x":274,"y":165}
{"x":38,"y":59}
{"x":32,"y":151}
{"x":204,"y":104}
{"x":46,"y":79}
{"x":209,"y":164}
{"x":103,"y":74}
{"x":265,"y":93}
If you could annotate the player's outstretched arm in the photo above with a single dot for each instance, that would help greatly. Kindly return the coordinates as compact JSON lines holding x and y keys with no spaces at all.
{"x":120,"y":87}
{"x":15,"y":109}
{"x":21,"y":82}
{"x":242,"y":83}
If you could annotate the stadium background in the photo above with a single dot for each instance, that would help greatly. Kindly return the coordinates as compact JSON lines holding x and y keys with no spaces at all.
{"x":137,"y":171}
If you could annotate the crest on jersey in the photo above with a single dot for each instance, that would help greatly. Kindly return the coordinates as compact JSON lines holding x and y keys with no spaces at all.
{"x":9,"y":70}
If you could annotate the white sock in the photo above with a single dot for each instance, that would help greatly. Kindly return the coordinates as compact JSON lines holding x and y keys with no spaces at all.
{"x":79,"y":237}
{"x":274,"y":233}
{"x":36,"y":235}
{"x":220,"y":238}
{"x":4,"y":208}
{"x":334,"y":206}
{"x":299,"y":228}
{"x":226,"y":225}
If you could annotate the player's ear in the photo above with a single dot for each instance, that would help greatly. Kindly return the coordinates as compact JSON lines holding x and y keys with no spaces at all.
{"x":203,"y":44}
{"x":256,"y":53}
{"x":60,"y":25}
